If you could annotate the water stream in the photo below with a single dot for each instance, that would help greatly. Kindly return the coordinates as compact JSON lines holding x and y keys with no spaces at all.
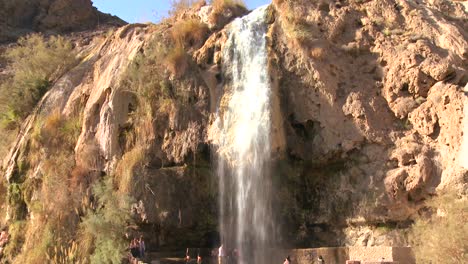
{"x":244,"y":143}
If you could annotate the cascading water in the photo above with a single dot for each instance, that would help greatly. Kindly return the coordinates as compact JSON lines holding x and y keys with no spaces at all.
{"x":243,"y":142}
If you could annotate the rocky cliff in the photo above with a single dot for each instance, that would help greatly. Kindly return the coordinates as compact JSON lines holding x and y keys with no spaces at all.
{"x":368,"y":118}
{"x":21,"y":17}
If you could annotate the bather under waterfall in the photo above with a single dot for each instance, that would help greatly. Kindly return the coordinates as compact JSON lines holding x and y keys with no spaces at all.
{"x":247,"y":224}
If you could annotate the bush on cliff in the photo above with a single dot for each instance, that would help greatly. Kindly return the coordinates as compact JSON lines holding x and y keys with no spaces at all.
{"x":440,"y":235}
{"x":179,"y":6}
{"x":36,"y":62}
{"x":221,"y":5}
{"x":189,"y":33}
{"x":104,"y":228}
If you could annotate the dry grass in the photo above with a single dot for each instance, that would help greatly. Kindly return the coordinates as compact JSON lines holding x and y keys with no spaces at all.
{"x":441,"y":236}
{"x":176,"y":60}
{"x":57,"y":132}
{"x":51,"y":200}
{"x":221,"y":8}
{"x":7,"y":136}
{"x":189,"y":33}
{"x":55,"y":194}
{"x":79,"y":178}
{"x":184,"y":34}
{"x":126,"y":169}
{"x":166,"y":106}
{"x":296,"y":29}
{"x":38,"y":237}
{"x":221,"y":5}
{"x":65,"y":253}
{"x":179,"y":6}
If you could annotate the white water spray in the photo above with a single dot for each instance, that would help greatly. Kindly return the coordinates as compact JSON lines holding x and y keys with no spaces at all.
{"x":243,"y":141}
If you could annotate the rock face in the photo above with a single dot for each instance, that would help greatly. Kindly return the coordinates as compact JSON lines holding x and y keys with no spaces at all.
{"x":57,"y":16}
{"x":375,"y":87}
{"x":369,"y":123}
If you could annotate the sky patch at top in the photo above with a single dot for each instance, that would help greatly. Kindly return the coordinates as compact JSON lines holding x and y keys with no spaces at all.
{"x":141,"y":11}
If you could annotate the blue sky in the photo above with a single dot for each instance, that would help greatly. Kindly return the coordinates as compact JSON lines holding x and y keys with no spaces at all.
{"x":148,"y":10}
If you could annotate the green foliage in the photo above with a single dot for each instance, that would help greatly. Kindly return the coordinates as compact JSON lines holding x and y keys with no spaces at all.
{"x":107,"y":224}
{"x":145,"y":75}
{"x":17,"y":237}
{"x":441,"y":236}
{"x":16,"y":201}
{"x":147,"y":78}
{"x":36,"y":62}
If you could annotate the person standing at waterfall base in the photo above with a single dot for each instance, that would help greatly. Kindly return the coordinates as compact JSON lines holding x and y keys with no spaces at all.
{"x":221,"y":254}
{"x":134,"y":250}
{"x":187,"y":256}
{"x":321,"y":260}
{"x":142,"y":247}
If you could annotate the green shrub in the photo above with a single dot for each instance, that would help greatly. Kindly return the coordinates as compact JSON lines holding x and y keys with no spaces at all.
{"x":105,"y":227}
{"x":36,"y":62}
{"x":145,"y":73}
{"x":16,"y":201}
{"x":440,"y":236}
{"x":17,"y":237}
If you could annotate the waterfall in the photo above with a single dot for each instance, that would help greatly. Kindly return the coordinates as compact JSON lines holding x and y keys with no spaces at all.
{"x":243,"y":142}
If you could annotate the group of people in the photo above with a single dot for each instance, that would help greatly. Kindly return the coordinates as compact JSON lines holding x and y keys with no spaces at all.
{"x":188,"y":258}
{"x":137,"y":249}
{"x":233,"y":257}
{"x":320,"y":260}
{"x":4,"y":237}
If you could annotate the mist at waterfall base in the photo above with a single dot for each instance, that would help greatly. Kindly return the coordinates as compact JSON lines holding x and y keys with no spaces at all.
{"x":243,"y":148}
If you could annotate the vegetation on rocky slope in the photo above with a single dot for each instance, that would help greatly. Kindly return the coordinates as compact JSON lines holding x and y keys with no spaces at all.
{"x":103,"y":229}
{"x":36,"y":63}
{"x":371,"y":172}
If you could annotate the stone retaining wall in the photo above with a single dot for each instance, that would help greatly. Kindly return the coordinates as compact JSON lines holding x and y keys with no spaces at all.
{"x":341,"y":255}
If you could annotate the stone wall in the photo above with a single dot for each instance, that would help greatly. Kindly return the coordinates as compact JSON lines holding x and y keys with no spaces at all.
{"x":401,"y":255}
{"x":331,"y":255}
